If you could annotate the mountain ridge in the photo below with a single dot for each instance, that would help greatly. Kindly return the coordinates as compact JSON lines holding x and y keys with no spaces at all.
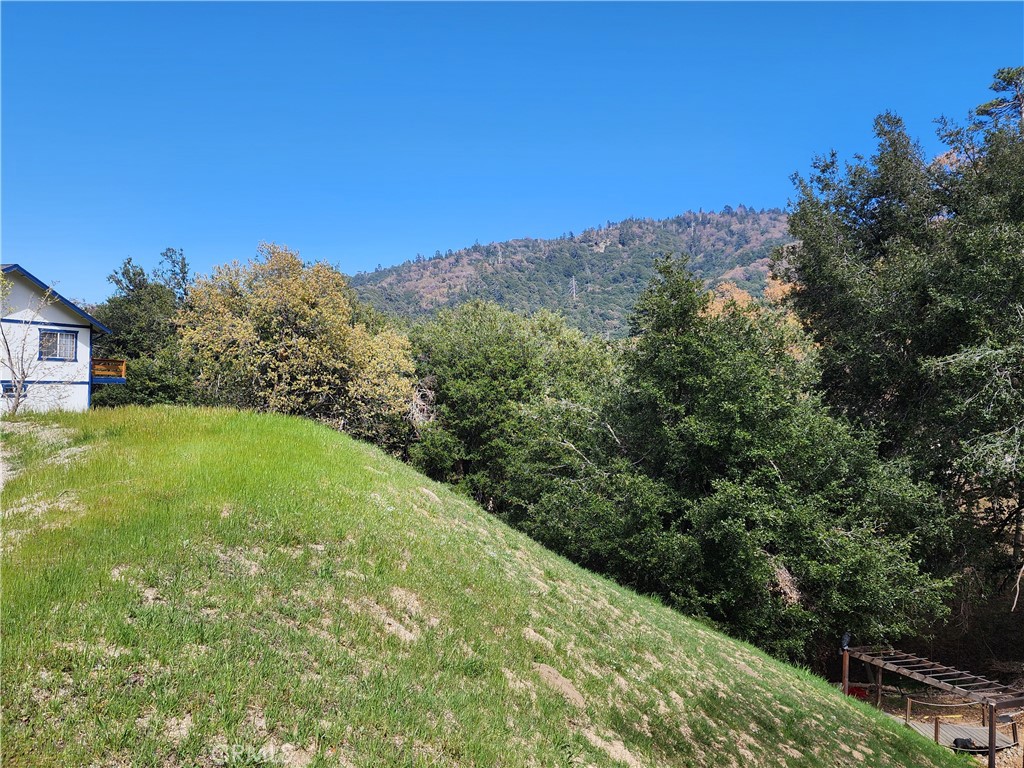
{"x":593,"y":277}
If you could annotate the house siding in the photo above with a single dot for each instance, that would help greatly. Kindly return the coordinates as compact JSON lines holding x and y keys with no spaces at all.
{"x":52,"y":384}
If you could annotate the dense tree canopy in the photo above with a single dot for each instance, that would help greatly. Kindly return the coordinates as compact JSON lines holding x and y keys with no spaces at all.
{"x":141,"y":315}
{"x":693,"y":462}
{"x":484,"y":366}
{"x":278,"y":334}
{"x":1009,"y":83}
{"x":910,"y":276}
{"x":781,"y":496}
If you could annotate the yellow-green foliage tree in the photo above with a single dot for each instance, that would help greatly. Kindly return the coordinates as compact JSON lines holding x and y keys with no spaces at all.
{"x":277,"y":334}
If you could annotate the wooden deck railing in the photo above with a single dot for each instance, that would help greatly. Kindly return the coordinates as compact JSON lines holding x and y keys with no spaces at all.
{"x":107,"y":367}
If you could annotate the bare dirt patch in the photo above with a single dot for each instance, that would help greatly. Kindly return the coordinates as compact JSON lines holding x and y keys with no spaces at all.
{"x":748,"y":747}
{"x":176,"y":729}
{"x":49,"y":435}
{"x":44,"y":693}
{"x":295,"y":757}
{"x":67,"y":456}
{"x":613,"y":747}
{"x":37,"y":513}
{"x":542,"y":586}
{"x":406,"y":559}
{"x":794,"y":753}
{"x":100,"y":647}
{"x":150,"y":595}
{"x":7,"y":472}
{"x":518,"y":684}
{"x":30,"y":508}
{"x":653,"y":660}
{"x":391,"y":625}
{"x":535,"y":637}
{"x":143,"y":720}
{"x":740,"y":664}
{"x":411,"y":606}
{"x":256,"y":719}
{"x":553,"y":678}
{"x":238,"y":561}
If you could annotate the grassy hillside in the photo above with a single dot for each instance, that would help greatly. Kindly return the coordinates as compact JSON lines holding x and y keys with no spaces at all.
{"x":610,"y":266}
{"x":178,"y":583}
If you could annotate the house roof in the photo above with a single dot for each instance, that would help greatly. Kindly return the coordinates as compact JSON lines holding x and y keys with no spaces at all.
{"x":68,"y":304}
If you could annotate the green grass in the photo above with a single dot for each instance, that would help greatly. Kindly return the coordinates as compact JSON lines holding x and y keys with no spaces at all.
{"x":176,"y":582}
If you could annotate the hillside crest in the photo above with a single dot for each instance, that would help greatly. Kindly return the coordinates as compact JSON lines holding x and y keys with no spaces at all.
{"x":593,"y":277}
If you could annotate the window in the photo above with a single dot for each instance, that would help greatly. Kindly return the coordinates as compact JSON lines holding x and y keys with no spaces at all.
{"x":58,"y":345}
{"x":9,"y":388}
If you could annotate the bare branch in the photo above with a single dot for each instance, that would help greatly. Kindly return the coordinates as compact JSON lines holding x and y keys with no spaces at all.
{"x":1016,"y":595}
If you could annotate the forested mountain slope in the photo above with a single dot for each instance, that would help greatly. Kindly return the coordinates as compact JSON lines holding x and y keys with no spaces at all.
{"x":593,"y":277}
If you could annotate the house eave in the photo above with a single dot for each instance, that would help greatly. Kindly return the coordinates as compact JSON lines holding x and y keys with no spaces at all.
{"x":67,"y":303}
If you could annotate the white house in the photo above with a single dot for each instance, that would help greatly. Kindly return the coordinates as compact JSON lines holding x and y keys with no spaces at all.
{"x":46,"y":360}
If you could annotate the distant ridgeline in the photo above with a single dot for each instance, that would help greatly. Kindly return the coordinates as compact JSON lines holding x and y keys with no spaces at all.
{"x":594,"y":277}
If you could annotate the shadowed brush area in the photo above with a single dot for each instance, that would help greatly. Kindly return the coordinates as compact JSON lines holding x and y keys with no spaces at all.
{"x":204,"y":587}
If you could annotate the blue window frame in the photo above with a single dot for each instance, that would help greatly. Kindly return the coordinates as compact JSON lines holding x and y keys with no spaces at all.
{"x":58,"y":345}
{"x":9,"y":388}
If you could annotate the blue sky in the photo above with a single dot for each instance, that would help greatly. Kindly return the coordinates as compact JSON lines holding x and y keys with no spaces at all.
{"x":365,"y":133}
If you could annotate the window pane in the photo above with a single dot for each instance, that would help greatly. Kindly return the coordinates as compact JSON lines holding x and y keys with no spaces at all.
{"x":47,"y":344}
{"x":67,"y":346}
{"x":57,"y":345}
